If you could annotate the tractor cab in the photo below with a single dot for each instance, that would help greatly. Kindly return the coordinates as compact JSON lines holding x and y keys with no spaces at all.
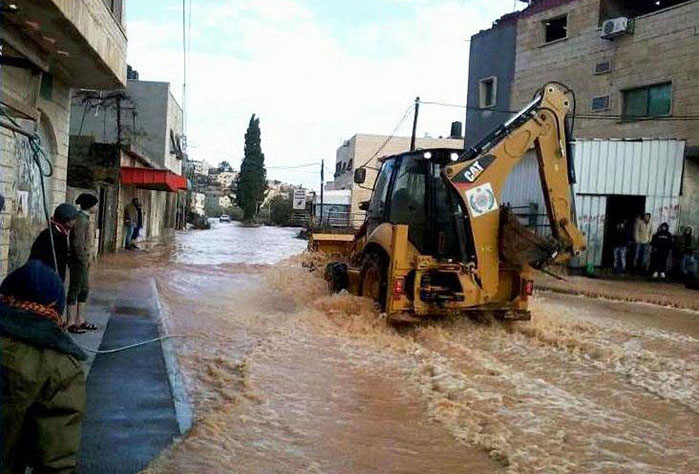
{"x":410,"y":190}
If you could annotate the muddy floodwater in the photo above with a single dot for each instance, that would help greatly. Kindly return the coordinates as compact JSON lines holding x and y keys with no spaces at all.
{"x":286,"y":378}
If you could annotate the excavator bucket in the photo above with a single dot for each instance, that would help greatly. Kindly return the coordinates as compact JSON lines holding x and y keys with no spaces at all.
{"x":332,"y":244}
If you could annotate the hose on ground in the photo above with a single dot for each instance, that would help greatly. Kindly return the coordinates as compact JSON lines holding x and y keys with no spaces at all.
{"x":130,"y":346}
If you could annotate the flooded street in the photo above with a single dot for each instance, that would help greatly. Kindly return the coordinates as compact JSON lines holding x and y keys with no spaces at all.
{"x":285,"y":378}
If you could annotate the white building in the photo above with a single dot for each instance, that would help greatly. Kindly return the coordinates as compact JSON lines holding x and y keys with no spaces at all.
{"x":226,"y":178}
{"x":198,"y":203}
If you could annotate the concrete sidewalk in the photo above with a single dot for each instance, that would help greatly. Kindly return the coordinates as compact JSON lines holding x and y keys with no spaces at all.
{"x":130,"y":415}
{"x":633,"y":290}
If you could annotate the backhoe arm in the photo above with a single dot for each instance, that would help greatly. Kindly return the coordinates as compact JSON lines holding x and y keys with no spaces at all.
{"x":479,"y":176}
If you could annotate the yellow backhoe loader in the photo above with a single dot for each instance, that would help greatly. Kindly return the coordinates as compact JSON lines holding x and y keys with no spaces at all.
{"x":437,"y":239}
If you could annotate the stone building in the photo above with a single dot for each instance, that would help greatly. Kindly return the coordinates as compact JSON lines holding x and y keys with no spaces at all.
{"x":633,"y":68}
{"x":128,"y":143}
{"x":49,"y":48}
{"x":365,"y":151}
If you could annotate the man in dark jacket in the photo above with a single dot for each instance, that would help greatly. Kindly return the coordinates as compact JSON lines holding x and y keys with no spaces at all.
{"x":42,"y":385}
{"x":662,"y":244}
{"x":62,"y":222}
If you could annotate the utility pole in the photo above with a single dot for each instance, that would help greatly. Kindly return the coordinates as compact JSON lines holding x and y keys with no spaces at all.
{"x":417,"y":110}
{"x":322,"y":181}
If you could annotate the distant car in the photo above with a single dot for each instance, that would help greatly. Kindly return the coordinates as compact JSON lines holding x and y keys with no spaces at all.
{"x":224,"y":218}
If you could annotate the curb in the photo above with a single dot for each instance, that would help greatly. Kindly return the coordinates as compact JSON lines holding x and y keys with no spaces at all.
{"x":615,"y":298}
{"x":183,"y":405}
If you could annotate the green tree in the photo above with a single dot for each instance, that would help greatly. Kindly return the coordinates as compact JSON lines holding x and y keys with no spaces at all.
{"x":280,"y":208}
{"x":252,"y":180}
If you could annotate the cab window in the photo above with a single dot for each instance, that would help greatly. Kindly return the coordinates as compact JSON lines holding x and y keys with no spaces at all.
{"x":377,"y":206}
{"x":408,"y":199}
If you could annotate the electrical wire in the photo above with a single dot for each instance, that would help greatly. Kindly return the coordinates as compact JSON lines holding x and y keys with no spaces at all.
{"x":582,"y":116}
{"x":292,"y":166}
{"x":132,"y":346}
{"x":38,"y":155}
{"x":391,"y":136}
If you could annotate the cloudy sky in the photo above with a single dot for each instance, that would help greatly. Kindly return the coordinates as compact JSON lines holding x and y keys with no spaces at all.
{"x":315,"y":71}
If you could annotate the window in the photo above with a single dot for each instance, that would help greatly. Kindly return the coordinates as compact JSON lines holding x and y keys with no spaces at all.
{"x":600,"y":103}
{"x":377,"y":205}
{"x":555,"y":29}
{"x":46,"y":86}
{"x":603,"y":67}
{"x":408,"y":199}
{"x":487,"y":92}
{"x":648,"y":101}
{"x":116,"y":7}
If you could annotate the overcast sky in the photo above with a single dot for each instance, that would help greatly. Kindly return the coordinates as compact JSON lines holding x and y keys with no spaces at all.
{"x":315,"y":71}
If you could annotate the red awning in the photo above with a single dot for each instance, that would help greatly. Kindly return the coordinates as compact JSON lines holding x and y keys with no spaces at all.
{"x":151,"y":178}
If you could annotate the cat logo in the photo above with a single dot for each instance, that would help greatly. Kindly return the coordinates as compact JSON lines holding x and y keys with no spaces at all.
{"x":475,"y":169}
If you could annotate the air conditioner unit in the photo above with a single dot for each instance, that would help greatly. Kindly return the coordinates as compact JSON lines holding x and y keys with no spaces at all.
{"x":615,"y":27}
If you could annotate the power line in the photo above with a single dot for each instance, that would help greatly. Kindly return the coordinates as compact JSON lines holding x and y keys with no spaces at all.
{"x":392,"y":135}
{"x":583,"y":116}
{"x":315,"y":163}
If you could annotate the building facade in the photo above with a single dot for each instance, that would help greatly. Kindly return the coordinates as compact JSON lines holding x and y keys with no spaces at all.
{"x":632,"y":67}
{"x":365,"y":151}
{"x":128,"y":144}
{"x":48,"y":49}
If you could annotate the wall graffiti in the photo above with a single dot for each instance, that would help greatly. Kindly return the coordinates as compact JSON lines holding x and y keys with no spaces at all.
{"x":26,"y":190}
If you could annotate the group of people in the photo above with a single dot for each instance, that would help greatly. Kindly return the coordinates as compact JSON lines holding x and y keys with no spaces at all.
{"x":42,"y":383}
{"x":650,"y":252}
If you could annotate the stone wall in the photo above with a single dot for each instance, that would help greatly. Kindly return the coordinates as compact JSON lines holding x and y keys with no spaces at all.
{"x":24,"y":218}
{"x":663,"y":48}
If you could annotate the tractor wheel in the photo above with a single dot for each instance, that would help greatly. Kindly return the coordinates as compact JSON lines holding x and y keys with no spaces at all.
{"x":375,"y":278}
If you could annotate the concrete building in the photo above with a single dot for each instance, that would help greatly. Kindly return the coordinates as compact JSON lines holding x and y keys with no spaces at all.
{"x":129,"y":143}
{"x":197,"y":167}
{"x":366,"y":150}
{"x":226,"y":178}
{"x":48,"y":48}
{"x":633,"y":68}
{"x":198,"y":204}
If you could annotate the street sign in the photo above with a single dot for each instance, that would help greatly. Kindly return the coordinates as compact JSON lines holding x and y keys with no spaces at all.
{"x":299,"y":199}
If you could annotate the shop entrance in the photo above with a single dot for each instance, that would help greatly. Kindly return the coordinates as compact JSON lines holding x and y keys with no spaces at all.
{"x":620,"y":208}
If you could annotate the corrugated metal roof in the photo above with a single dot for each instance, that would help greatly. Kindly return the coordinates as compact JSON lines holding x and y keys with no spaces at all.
{"x":646,"y":167}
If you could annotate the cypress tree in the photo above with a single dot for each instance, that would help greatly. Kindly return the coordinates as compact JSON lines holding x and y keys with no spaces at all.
{"x":252,"y":180}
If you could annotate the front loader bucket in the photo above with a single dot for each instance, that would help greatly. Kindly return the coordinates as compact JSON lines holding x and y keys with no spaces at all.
{"x":332,"y":244}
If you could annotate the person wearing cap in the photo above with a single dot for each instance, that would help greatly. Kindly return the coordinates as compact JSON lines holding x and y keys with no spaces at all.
{"x":79,"y":264}
{"x":42,"y":383}
{"x":62,"y":222}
